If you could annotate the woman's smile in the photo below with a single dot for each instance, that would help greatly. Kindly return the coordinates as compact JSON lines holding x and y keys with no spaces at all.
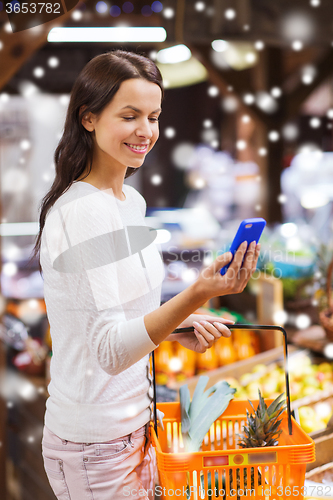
{"x":137,"y":148}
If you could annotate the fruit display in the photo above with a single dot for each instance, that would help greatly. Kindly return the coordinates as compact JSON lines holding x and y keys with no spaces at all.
{"x":311,"y":386}
{"x":174,"y":363}
{"x":316,"y":417}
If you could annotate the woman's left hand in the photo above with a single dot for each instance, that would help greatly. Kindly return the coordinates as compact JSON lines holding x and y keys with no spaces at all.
{"x":207,"y":330}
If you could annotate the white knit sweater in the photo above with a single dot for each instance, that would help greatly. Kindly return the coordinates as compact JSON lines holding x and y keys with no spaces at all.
{"x":100,"y":279}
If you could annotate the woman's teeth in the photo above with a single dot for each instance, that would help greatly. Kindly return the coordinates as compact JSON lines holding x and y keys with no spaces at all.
{"x":138,"y":148}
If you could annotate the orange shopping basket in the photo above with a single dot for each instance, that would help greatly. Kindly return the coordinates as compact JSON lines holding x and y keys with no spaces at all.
{"x":222,"y":470}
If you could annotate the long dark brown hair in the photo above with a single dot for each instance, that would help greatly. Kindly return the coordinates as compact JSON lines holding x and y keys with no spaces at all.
{"x":93,"y":90}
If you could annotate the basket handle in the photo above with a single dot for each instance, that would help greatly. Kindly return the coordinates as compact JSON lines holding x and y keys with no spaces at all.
{"x":240,"y":327}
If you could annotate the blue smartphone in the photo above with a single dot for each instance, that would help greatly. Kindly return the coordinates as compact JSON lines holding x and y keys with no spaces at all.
{"x":249,"y":230}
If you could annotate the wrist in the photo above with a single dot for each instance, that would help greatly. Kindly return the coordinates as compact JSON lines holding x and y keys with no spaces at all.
{"x":199,"y":294}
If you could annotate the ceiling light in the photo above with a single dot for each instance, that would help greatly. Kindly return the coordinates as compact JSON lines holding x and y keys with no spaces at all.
{"x":124,"y":34}
{"x":259,"y":45}
{"x":183,"y":73}
{"x":266,"y":102}
{"x":173,"y":55}
{"x":101,"y":7}
{"x":273,"y":136}
{"x":219,"y":45}
{"x":213,"y":91}
{"x":248,"y":99}
{"x":168,"y":13}
{"x":230,"y":14}
{"x":156,"y":6}
{"x":276,"y":92}
{"x":297,"y":45}
{"x":200,"y":6}
{"x":315,"y":122}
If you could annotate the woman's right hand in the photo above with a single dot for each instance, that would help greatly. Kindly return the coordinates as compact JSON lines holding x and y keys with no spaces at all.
{"x":210,"y":282}
{"x":162,"y":321}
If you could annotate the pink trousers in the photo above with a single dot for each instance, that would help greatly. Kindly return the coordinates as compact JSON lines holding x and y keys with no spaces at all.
{"x":114,"y":470}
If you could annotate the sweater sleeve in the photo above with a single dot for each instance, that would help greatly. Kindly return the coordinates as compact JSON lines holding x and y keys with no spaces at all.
{"x":117,"y":344}
{"x":89,"y":246}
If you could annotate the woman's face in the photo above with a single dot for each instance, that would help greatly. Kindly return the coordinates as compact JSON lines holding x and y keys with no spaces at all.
{"x":127,"y":128}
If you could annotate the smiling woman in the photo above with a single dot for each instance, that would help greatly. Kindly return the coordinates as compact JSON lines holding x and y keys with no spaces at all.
{"x":124,"y":133}
{"x":102,"y":287}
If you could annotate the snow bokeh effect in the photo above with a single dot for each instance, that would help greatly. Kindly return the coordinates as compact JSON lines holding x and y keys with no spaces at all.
{"x":214,"y":180}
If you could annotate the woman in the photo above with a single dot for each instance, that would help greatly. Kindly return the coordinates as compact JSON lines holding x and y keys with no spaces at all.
{"x":102,"y":282}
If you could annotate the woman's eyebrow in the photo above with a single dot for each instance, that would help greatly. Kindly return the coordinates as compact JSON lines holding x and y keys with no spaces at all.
{"x":139,"y":110}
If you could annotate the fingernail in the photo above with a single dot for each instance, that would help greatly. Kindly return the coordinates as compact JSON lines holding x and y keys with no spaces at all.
{"x":216,"y":324}
{"x":203,"y":323}
{"x":196,"y":324}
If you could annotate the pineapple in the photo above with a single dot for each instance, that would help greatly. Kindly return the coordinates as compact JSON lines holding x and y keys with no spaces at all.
{"x":262,"y":428}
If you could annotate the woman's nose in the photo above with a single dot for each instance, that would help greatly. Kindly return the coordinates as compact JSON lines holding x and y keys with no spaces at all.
{"x":144,"y":129}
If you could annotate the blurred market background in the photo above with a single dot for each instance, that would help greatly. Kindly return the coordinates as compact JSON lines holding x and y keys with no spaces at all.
{"x":246,"y":131}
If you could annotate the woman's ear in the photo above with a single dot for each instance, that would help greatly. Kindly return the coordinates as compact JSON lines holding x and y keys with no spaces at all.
{"x":87,"y":120}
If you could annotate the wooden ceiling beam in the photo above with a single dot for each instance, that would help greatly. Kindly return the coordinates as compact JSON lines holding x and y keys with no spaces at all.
{"x":301,"y":92}
{"x":225,"y":80}
{"x":18,"y":47}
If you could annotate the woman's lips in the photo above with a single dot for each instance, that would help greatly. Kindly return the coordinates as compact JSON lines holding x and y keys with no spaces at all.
{"x":137,"y":148}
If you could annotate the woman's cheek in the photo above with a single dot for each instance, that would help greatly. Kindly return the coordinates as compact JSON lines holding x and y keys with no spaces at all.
{"x":155,"y":139}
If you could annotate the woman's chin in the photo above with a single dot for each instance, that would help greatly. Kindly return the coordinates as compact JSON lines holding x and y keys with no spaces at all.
{"x":135,"y":164}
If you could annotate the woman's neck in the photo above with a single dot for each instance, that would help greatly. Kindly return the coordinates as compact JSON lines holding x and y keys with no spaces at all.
{"x":105,"y":181}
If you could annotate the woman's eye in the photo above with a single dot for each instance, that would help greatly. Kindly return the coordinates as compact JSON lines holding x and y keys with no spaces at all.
{"x":128,"y":118}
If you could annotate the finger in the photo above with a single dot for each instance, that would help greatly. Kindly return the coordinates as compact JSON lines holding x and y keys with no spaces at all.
{"x":210,"y":318}
{"x":210,"y":328}
{"x":223,"y":329}
{"x":238,"y":259}
{"x":250,"y":254}
{"x":205,"y":332}
{"x":256,"y":257}
{"x":221,"y":261}
{"x":254,"y":262}
{"x":246,"y":270}
{"x":250,"y":263}
{"x":203,"y":342}
{"x":218,"y":323}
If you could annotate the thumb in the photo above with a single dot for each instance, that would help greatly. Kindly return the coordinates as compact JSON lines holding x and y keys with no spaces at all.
{"x":218,"y":319}
{"x":221,"y":261}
